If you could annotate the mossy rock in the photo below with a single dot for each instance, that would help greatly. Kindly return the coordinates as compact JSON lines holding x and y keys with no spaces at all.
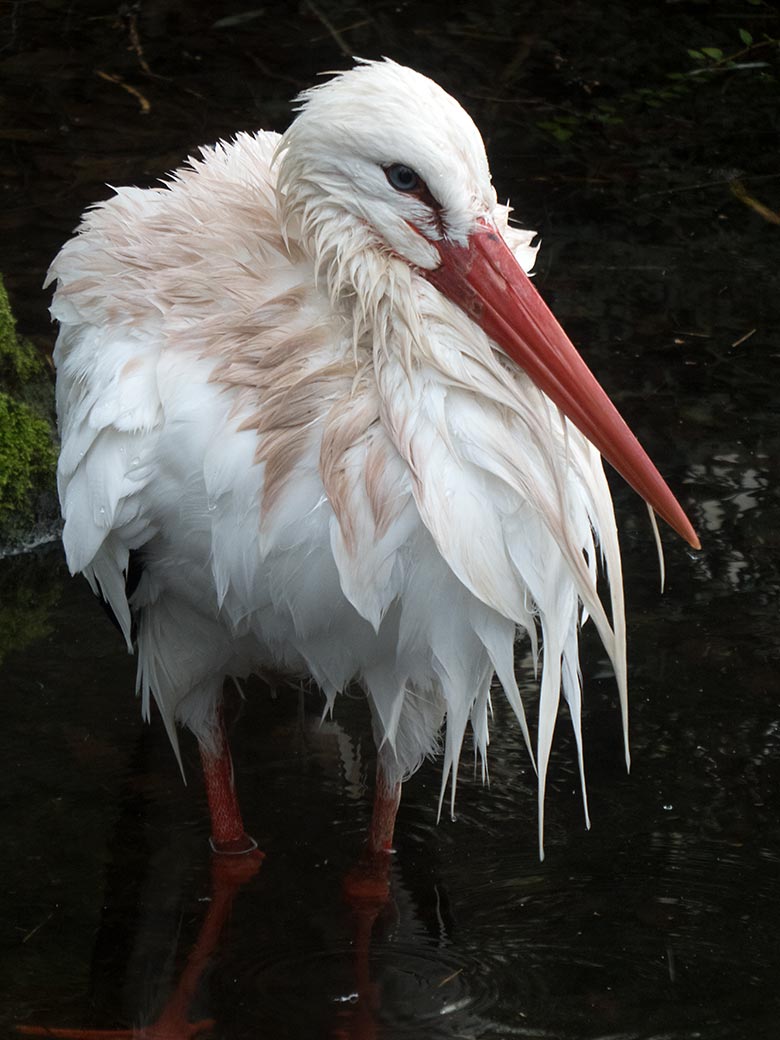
{"x":28,"y":454}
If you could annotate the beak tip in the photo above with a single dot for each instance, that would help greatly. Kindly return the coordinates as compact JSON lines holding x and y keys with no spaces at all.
{"x":685,"y":530}
{"x":485,"y":280}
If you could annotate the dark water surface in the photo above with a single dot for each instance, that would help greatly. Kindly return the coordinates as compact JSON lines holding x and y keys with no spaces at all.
{"x":663,"y":920}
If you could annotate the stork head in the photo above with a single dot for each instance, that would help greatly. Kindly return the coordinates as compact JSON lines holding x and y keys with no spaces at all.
{"x":383,"y":154}
{"x":382,"y":164}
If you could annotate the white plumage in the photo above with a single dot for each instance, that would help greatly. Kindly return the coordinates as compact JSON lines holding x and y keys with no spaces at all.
{"x":327,"y":466}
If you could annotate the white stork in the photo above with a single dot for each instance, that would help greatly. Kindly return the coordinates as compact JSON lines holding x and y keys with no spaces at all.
{"x":307,"y":386}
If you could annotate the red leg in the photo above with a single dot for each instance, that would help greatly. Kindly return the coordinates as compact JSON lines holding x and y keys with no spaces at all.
{"x":387,"y":798}
{"x":227,"y":828}
{"x":367,"y":885}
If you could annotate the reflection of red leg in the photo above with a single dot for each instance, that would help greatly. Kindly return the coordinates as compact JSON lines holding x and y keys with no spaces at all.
{"x":228,"y":874}
{"x":367,"y":891}
{"x":83,"y":1034}
{"x":227,"y":877}
{"x":227,"y":828}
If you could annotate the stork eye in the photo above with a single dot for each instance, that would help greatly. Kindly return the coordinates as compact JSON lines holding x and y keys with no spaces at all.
{"x":402,"y":178}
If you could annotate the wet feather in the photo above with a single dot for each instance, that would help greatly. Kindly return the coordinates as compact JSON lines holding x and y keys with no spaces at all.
{"x":327,"y":467}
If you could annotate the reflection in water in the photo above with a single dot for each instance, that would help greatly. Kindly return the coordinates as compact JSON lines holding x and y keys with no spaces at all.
{"x":737,"y":490}
{"x":627,"y":930}
{"x":180,"y":956}
{"x":743,"y":488}
{"x":176,"y":1021}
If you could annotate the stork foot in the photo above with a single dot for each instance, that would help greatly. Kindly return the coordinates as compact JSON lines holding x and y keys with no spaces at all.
{"x":243,"y":845}
{"x":367,"y":885}
{"x":231,"y":870}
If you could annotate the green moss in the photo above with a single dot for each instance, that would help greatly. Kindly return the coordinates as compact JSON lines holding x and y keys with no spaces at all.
{"x":27,"y":453}
{"x":27,"y":456}
{"x":20,"y":362}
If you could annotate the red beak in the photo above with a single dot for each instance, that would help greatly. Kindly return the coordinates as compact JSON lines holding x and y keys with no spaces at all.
{"x":484,"y":279}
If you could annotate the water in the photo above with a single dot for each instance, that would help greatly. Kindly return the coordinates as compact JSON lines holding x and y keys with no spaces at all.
{"x":662,"y":921}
